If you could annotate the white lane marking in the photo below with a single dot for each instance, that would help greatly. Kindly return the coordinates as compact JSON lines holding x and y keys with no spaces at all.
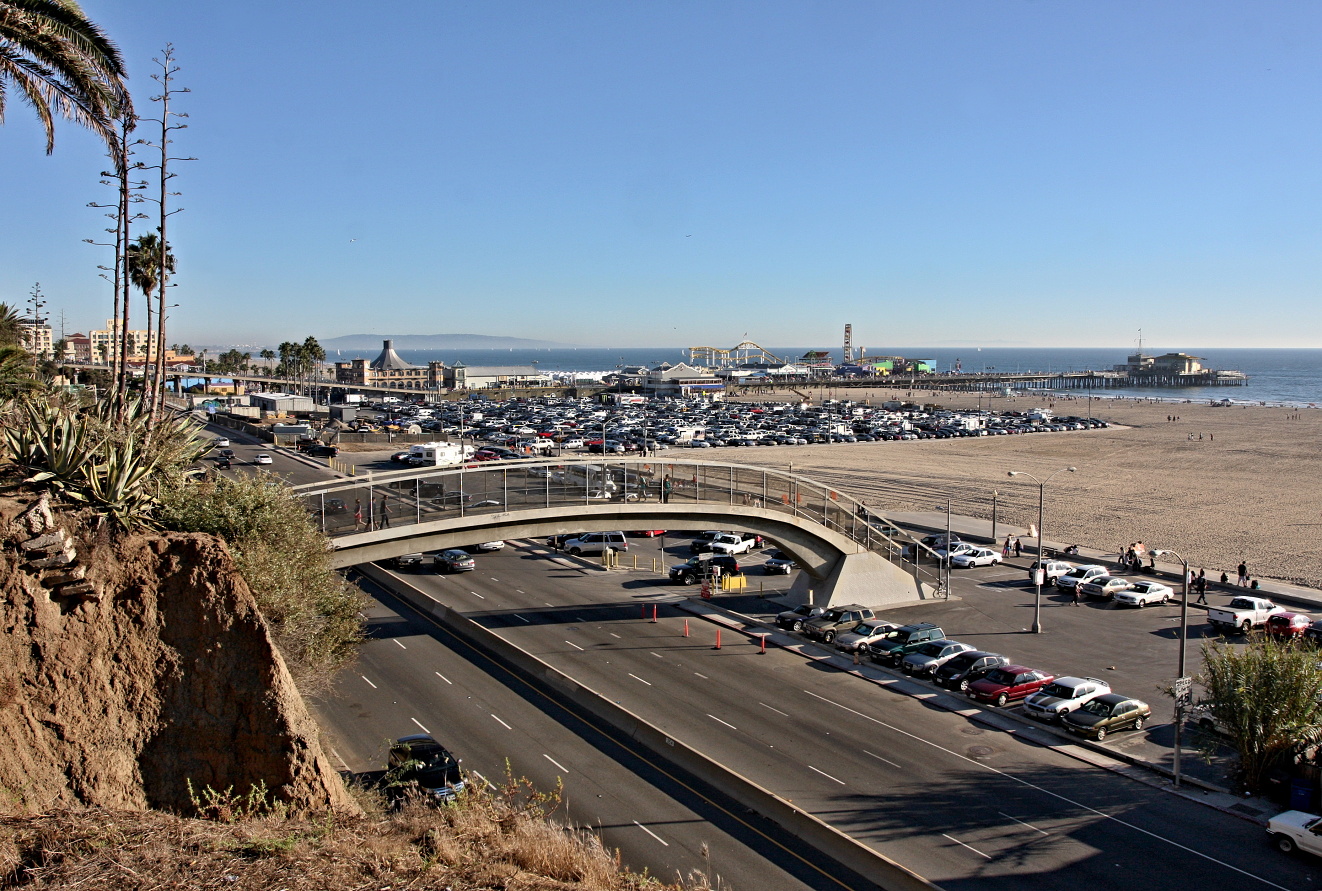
{"x":501,"y":723}
{"x":419,"y":723}
{"x":517,"y":616}
{"x":556,"y":763}
{"x":517,"y":591}
{"x":657,"y":655}
{"x":881,"y":759}
{"x":547,"y":602}
{"x":490,"y":785}
{"x":401,"y":646}
{"x":493,"y":578}
{"x":776,"y":710}
{"x":444,"y":678}
{"x":1056,"y":795}
{"x":373,"y":686}
{"x":640,"y":680}
{"x":825,"y":774}
{"x":342,"y":761}
{"x":579,"y":619}
{"x":970,"y":847}
{"x":574,"y":645}
{"x":726,"y":723}
{"x":703,"y":676}
{"x":1022,"y":823}
{"x":651,"y":833}
{"x":614,"y":635}
{"x":477,"y":595}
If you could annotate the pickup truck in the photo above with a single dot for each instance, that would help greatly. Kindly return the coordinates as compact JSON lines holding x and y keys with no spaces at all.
{"x":728,"y":543}
{"x":1244,"y":614}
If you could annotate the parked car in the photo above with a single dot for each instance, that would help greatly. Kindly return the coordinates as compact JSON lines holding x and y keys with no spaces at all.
{"x":835,"y":621}
{"x":1054,"y":570}
{"x":1142,"y":593}
{"x":1243,"y":614}
{"x":557,"y":542}
{"x":452,"y":499}
{"x":1012,"y":682}
{"x":1104,"y":587}
{"x":323,"y":451}
{"x":1080,"y":574}
{"x":484,"y":546}
{"x":454,"y":560}
{"x":725,"y":543}
{"x":1062,"y":696}
{"x":695,"y":569}
{"x":778,"y":563}
{"x":794,"y":619}
{"x":262,"y":458}
{"x":596,"y":543}
{"x":401,"y":457}
{"x":419,"y":761}
{"x":1313,"y":633}
{"x":968,"y":667}
{"x":863,"y":634}
{"x":1288,"y":626}
{"x":902,"y":641}
{"x":648,"y":533}
{"x":932,"y":655}
{"x":975,"y":557}
{"x":1111,"y":711}
{"x":1296,"y":830}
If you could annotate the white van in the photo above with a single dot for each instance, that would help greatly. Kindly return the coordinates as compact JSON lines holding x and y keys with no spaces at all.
{"x":596,"y":543}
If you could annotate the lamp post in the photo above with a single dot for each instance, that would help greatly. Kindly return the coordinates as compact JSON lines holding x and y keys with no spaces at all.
{"x":1040,"y":574}
{"x":995,"y":495}
{"x":1183,"y":684}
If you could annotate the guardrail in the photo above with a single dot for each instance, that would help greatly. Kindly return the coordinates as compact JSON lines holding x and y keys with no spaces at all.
{"x":399,"y":498}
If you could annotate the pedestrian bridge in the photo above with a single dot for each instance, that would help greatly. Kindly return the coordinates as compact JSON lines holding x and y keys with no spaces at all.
{"x":835,"y":539}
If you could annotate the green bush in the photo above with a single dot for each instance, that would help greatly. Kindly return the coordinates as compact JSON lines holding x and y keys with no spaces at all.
{"x":312,"y":611}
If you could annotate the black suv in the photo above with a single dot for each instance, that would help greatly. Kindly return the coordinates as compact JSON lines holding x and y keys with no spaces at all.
{"x":793,"y":619}
{"x":837,"y":619}
{"x":892,"y":648}
{"x":966,"y":668}
{"x":695,"y":569}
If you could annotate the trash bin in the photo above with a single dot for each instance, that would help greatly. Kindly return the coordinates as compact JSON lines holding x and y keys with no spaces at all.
{"x":1301,"y":795}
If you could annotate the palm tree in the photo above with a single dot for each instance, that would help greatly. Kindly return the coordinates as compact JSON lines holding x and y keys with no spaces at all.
{"x":59,"y":61}
{"x":145,"y":268}
{"x":9,"y":326}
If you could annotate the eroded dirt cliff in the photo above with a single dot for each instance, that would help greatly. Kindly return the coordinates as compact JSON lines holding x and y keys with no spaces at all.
{"x":131,"y":665}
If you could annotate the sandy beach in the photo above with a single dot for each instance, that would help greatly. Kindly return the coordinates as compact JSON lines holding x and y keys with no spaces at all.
{"x":1249,"y":489}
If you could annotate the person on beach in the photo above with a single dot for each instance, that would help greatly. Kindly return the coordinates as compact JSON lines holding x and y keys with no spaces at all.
{"x":1243,"y":579}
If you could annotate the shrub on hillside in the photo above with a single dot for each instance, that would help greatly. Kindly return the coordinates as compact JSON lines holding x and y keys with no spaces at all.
{"x":311,"y":609}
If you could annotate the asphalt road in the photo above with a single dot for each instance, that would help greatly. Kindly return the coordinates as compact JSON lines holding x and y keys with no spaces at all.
{"x":413,"y":676}
{"x":948,"y":797}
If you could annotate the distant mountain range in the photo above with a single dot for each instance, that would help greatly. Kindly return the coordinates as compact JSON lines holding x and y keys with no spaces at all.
{"x":439,"y":342}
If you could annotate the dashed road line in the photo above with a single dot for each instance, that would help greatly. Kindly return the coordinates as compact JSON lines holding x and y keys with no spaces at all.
{"x":419,"y":723}
{"x":517,"y":616}
{"x":640,"y":680}
{"x":477,"y":595}
{"x":574,"y":645}
{"x":501,"y":723}
{"x":1022,"y":823}
{"x":825,"y":774}
{"x":400,"y":645}
{"x":556,"y":763}
{"x":373,"y":686}
{"x":444,"y":678}
{"x":719,"y":721}
{"x":651,"y":833}
{"x":970,"y":847}
{"x":881,"y":759}
{"x":776,"y":710}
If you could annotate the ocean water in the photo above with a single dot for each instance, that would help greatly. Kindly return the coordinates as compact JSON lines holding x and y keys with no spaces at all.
{"x":1287,"y":376}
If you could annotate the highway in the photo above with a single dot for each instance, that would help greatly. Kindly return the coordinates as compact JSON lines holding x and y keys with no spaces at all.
{"x":953,"y":799}
{"x":413,"y":677}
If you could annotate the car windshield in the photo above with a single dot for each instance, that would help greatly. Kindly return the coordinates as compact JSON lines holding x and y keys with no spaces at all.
{"x":960,"y":662}
{"x":1000,"y":676}
{"x":1076,"y":573}
{"x":931,"y":649}
{"x":1097,"y":707}
{"x":1059,"y":690}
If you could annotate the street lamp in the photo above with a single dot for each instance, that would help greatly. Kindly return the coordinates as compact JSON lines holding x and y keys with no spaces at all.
{"x":1040,"y":574}
{"x":1183,"y":684}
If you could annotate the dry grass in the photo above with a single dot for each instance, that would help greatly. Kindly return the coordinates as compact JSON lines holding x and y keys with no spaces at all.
{"x":490,"y":839}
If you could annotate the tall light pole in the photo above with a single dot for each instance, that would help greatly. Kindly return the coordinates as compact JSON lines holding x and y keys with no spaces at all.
{"x":1183,"y":685}
{"x":1039,"y":575}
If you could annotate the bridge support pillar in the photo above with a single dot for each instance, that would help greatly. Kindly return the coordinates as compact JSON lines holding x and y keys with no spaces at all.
{"x":865,"y":578}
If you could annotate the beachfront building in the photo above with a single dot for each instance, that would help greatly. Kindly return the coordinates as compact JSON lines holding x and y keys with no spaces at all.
{"x":480,"y":377}
{"x":105,"y":343}
{"x":1168,"y":364}
{"x":78,"y":348}
{"x":388,"y":370}
{"x":35,"y":336}
{"x":681,"y":380}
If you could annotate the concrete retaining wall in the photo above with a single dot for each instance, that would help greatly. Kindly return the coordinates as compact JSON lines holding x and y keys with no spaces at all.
{"x":822,"y":836}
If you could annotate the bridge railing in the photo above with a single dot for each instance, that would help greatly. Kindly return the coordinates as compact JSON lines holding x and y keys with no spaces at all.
{"x":400,"y":498}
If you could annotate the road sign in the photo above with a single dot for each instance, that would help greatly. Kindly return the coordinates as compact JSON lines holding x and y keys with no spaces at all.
{"x":1183,"y":690}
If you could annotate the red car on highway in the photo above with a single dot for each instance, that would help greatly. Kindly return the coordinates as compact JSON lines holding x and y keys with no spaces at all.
{"x":1001,"y":685}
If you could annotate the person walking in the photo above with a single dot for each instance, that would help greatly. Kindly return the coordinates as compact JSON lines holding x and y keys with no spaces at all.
{"x":1074,"y":592}
{"x":383,"y":522}
{"x":1018,"y":548}
{"x":666,"y":488}
{"x":357,"y":515}
{"x":1243,"y":579}
{"x":1200,"y":585}
{"x":1005,"y":551}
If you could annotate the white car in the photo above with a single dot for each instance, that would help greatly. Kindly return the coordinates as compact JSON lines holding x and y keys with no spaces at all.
{"x":487,"y":546}
{"x":959,"y":547}
{"x":262,"y":458}
{"x":573,"y":442}
{"x":1142,"y":593}
{"x":1296,"y":830}
{"x":221,"y":442}
{"x":1062,"y":696}
{"x":975,"y":557}
{"x":1080,"y":574}
{"x":1055,"y":569}
{"x":863,"y":634}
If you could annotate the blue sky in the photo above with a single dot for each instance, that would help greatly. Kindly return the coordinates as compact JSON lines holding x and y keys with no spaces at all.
{"x":675,"y":173}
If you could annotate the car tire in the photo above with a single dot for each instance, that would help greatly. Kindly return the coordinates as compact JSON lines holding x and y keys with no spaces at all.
{"x":1002,"y":700}
{"x":576,"y":551}
{"x":1101,"y":733}
{"x":1245,"y":627}
{"x":963,"y":686}
{"x":1139,"y":722}
{"x":797,"y":626}
{"x":828,"y":636}
{"x":1285,"y":844}
{"x":687,"y":579}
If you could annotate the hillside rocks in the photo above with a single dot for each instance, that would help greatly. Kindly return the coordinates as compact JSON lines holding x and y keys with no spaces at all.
{"x":129,"y":667}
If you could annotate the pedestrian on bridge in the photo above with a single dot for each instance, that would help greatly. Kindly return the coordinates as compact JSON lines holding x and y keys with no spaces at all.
{"x":357,"y":515}
{"x":383,"y":521}
{"x":666,"y":488}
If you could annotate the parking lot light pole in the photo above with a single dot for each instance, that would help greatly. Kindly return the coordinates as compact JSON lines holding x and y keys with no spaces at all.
{"x":1039,"y":576}
{"x":1181,"y":684}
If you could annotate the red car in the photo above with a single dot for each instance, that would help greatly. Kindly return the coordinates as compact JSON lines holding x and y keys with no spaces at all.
{"x":649,"y":533}
{"x":1000,"y":685}
{"x":1289,"y":626}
